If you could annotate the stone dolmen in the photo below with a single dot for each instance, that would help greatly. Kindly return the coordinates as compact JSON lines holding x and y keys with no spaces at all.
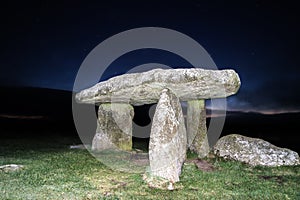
{"x":169,"y":139}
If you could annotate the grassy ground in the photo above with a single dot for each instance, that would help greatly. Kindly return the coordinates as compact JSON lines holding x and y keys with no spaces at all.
{"x":53,"y":171}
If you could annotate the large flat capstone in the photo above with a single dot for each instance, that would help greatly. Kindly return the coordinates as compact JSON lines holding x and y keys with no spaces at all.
{"x":145,"y":88}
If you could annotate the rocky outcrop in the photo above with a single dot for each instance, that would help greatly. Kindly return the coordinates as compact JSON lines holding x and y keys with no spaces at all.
{"x":168,"y":142}
{"x":114,"y":127}
{"x":146,"y":87}
{"x":254,"y":151}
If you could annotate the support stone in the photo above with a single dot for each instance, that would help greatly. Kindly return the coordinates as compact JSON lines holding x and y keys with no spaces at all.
{"x":196,"y":128}
{"x":168,"y":142}
{"x":114,"y":127}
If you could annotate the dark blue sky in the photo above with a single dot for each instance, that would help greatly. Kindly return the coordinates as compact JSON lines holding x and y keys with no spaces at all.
{"x":44,"y":43}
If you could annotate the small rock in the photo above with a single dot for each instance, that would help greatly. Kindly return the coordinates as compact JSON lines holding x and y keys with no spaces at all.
{"x":138,"y":150}
{"x":80,"y":146}
{"x":254,"y":151}
{"x":170,"y":186}
{"x":10,"y":167}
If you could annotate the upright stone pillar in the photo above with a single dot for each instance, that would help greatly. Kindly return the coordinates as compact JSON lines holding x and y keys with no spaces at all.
{"x":114,"y":127}
{"x":168,"y":142}
{"x":196,"y":128}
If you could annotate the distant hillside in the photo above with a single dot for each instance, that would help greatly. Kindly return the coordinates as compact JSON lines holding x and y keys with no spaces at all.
{"x":35,"y":101}
{"x":27,"y":110}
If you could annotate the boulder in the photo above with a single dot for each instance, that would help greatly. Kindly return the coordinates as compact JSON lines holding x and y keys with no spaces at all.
{"x":196,"y":128}
{"x":168,"y":142}
{"x":254,"y":151}
{"x":114,"y":127}
{"x":146,"y":87}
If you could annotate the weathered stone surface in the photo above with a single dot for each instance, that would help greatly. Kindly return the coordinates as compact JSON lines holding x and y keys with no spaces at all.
{"x":114,"y":127}
{"x":158,"y":182}
{"x":196,"y":128}
{"x":168,"y":142}
{"x":254,"y":151}
{"x":146,"y":87}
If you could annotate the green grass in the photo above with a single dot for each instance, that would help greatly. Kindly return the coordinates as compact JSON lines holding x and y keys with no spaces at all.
{"x":53,"y":171}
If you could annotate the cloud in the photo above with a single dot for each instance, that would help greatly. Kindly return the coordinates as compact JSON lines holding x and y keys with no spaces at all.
{"x":277,"y":95}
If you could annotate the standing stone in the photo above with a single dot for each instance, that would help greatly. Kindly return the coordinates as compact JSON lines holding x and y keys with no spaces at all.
{"x":114,"y":127}
{"x":196,"y":128}
{"x":168,"y":142}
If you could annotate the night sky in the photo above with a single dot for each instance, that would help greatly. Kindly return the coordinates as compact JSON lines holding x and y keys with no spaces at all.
{"x":44,"y":43}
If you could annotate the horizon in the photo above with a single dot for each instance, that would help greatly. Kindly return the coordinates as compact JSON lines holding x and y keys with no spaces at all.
{"x":207,"y":106}
{"x":53,"y":115}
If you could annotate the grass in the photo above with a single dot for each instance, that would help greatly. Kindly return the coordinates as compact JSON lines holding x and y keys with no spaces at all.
{"x":53,"y":171}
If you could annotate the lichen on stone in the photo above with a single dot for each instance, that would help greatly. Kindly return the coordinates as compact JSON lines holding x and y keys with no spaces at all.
{"x":254,"y":151}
